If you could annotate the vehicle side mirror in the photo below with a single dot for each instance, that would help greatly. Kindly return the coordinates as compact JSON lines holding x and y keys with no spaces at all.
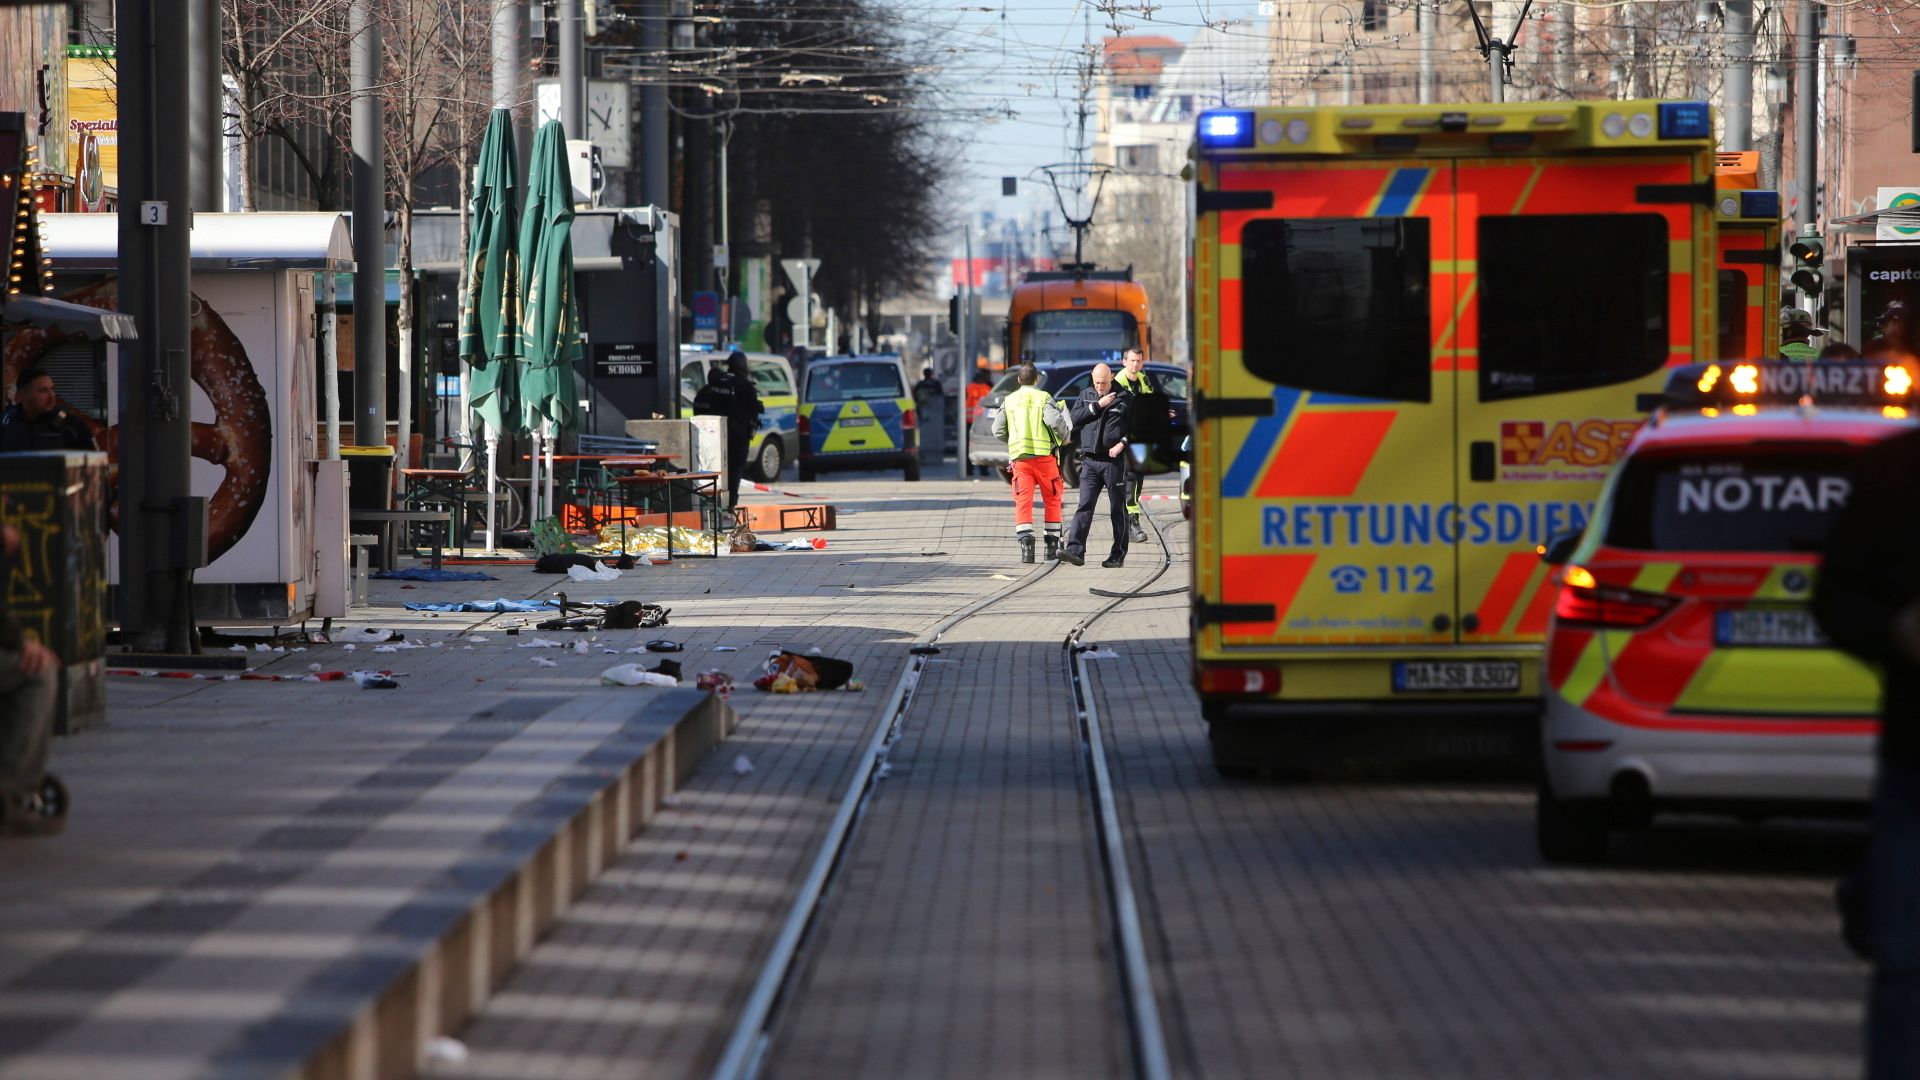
{"x":1560,"y":549}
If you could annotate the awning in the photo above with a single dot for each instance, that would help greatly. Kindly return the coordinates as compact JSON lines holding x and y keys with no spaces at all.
{"x":266,"y":241}
{"x":46,"y":312}
{"x":1905,"y":216}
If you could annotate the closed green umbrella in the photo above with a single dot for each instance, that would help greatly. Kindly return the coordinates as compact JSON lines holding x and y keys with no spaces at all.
{"x":550,"y":332}
{"x":490,"y":315}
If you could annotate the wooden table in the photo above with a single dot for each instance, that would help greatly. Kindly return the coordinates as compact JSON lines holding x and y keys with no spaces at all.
{"x":612,"y":463}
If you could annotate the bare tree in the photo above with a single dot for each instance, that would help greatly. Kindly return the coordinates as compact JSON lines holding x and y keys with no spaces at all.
{"x":287,"y":61}
{"x":437,"y":77}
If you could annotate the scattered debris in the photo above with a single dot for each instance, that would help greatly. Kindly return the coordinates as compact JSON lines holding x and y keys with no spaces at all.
{"x":741,"y":765}
{"x":544,"y":662}
{"x":540,"y":643}
{"x":374,"y":680}
{"x":425,"y":573}
{"x":367,"y":634}
{"x":664,"y":645}
{"x":718,"y":682}
{"x":597,"y":573}
{"x":635,"y":675}
{"x":789,"y":673}
{"x":442,"y":1050}
{"x":1099,"y":654}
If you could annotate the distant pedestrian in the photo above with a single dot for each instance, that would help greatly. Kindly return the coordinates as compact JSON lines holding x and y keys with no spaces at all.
{"x":1839,"y":350}
{"x":1867,"y":599}
{"x":37,"y":421}
{"x":928,"y":391}
{"x":730,"y":393}
{"x":1034,"y":425}
{"x":1895,"y":332}
{"x":1099,"y":431}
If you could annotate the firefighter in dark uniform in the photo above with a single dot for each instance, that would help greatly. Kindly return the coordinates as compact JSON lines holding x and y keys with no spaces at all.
{"x":37,"y":421}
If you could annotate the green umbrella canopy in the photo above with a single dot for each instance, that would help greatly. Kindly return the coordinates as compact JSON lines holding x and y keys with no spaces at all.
{"x":490,"y":317}
{"x":550,"y":333}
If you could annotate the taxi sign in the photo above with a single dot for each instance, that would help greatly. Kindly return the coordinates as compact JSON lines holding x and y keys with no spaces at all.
{"x":1763,"y":382}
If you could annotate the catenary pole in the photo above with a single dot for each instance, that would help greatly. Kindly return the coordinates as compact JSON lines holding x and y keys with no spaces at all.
{"x":1806,"y":94}
{"x":369,"y":221}
{"x":156,"y":423}
{"x":1737,"y":85}
{"x":653,"y":105}
{"x":206,"y":121}
{"x":573,"y":114}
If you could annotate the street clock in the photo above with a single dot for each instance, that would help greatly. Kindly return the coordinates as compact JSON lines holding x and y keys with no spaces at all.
{"x":609,"y":117}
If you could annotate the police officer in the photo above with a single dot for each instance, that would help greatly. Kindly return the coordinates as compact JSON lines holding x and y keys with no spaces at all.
{"x":1033,"y":424}
{"x":37,"y":421}
{"x":1099,"y":431}
{"x":1149,"y":404}
{"x":730,"y":393}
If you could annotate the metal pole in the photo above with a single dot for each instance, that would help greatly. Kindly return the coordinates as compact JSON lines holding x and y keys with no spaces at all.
{"x":1806,"y":102}
{"x":653,"y":105}
{"x":509,"y":24}
{"x":369,"y":220}
{"x":1738,"y":85}
{"x":1426,"y":19}
{"x":573,"y":113}
{"x":156,"y":423}
{"x":206,"y":120}
{"x":1497,"y":69}
{"x":966,"y":346}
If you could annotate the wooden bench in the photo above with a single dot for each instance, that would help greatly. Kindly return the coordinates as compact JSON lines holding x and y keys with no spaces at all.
{"x":385,"y":520}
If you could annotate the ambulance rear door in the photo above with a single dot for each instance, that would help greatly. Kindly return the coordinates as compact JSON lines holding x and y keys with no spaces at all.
{"x":1585,"y":275}
{"x":1329,"y":421}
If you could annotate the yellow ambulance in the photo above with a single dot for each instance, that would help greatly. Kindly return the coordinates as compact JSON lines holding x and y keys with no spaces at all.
{"x":1420,"y":332}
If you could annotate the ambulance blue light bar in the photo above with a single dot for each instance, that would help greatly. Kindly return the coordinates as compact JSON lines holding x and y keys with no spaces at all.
{"x":1759,"y":204}
{"x":1744,"y":385}
{"x":1686,"y":120}
{"x":1227,"y":128}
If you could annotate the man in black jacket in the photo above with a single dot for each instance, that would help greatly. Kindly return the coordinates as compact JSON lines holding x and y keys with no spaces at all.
{"x":1868,"y":602}
{"x":1099,"y":418}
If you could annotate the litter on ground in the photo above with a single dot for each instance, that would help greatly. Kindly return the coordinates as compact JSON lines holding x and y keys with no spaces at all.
{"x":425,"y":573}
{"x":635,"y":675}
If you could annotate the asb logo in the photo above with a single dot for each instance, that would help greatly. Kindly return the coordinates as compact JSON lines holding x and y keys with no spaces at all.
{"x":1579,"y":443}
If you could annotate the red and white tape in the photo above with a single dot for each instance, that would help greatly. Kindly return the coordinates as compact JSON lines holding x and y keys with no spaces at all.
{"x":246,"y":676}
{"x":758,"y":486}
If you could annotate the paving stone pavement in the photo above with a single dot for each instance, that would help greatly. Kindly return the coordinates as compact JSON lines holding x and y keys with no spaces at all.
{"x":1374,"y":930}
{"x":189,"y":779}
{"x":644,"y":978}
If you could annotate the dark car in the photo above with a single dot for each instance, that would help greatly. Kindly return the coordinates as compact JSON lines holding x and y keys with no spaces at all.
{"x":1064,"y":381}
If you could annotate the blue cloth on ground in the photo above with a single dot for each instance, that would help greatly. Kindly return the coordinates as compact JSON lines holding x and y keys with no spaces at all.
{"x":501,"y":605}
{"x":427,"y":573}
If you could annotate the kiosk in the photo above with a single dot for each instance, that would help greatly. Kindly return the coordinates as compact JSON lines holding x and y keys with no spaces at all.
{"x":277,"y":524}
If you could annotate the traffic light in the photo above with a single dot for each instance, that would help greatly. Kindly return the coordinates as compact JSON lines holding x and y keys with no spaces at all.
{"x":1809,"y":264}
{"x":953,"y":313}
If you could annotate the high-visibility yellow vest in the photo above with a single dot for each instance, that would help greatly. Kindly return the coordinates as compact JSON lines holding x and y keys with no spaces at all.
{"x":1143,"y":385}
{"x":1027,"y":431}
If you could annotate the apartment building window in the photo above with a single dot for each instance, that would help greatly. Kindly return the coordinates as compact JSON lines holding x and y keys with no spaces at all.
{"x":1373,"y":15}
{"x":1138,"y":157}
{"x":1142,"y":91}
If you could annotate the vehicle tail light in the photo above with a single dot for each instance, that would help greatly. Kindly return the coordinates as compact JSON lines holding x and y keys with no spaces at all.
{"x":1240,"y":680}
{"x":907,"y":420}
{"x":1583,"y":601}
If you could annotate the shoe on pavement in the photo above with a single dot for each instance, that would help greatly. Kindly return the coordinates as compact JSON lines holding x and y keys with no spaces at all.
{"x":1053,"y":546}
{"x":1026,"y":549}
{"x":1115,"y":562}
{"x":1067,"y":556}
{"x":1135,"y":533}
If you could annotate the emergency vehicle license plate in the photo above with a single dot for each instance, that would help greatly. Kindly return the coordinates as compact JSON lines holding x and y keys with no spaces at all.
{"x":857,"y":421}
{"x":1781,"y":627}
{"x":1428,"y":676}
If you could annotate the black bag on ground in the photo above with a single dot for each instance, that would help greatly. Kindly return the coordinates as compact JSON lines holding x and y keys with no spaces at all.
{"x":557,"y":562}
{"x":831,"y":673}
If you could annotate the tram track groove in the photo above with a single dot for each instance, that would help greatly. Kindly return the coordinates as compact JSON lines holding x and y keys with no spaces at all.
{"x":743,"y":1054}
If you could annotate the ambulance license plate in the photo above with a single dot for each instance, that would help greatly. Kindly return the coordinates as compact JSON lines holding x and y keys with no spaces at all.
{"x":1777,"y":627}
{"x":1430,"y":676}
{"x":857,"y":421}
